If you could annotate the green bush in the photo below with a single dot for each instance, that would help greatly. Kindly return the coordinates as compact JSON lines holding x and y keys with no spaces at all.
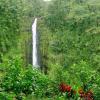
{"x":19,"y":79}
{"x":6,"y":96}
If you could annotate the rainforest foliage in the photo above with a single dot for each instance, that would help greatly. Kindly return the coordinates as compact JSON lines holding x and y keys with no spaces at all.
{"x":69,"y":50}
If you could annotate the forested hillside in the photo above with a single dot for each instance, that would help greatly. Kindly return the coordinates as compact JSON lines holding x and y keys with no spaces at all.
{"x":68,"y":45}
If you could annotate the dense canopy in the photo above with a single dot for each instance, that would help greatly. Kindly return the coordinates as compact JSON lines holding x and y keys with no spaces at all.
{"x":68,"y":46}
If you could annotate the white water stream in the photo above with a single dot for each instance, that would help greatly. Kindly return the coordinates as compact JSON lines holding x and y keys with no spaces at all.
{"x":34,"y":44}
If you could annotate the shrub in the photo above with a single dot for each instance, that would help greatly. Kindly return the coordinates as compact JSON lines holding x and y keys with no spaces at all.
{"x":6,"y":96}
{"x":19,"y":80}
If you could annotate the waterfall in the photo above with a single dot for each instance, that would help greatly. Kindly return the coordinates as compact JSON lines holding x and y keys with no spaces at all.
{"x":34,"y":44}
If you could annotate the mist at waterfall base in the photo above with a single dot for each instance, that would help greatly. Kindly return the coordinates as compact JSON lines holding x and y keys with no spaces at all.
{"x":34,"y":44}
